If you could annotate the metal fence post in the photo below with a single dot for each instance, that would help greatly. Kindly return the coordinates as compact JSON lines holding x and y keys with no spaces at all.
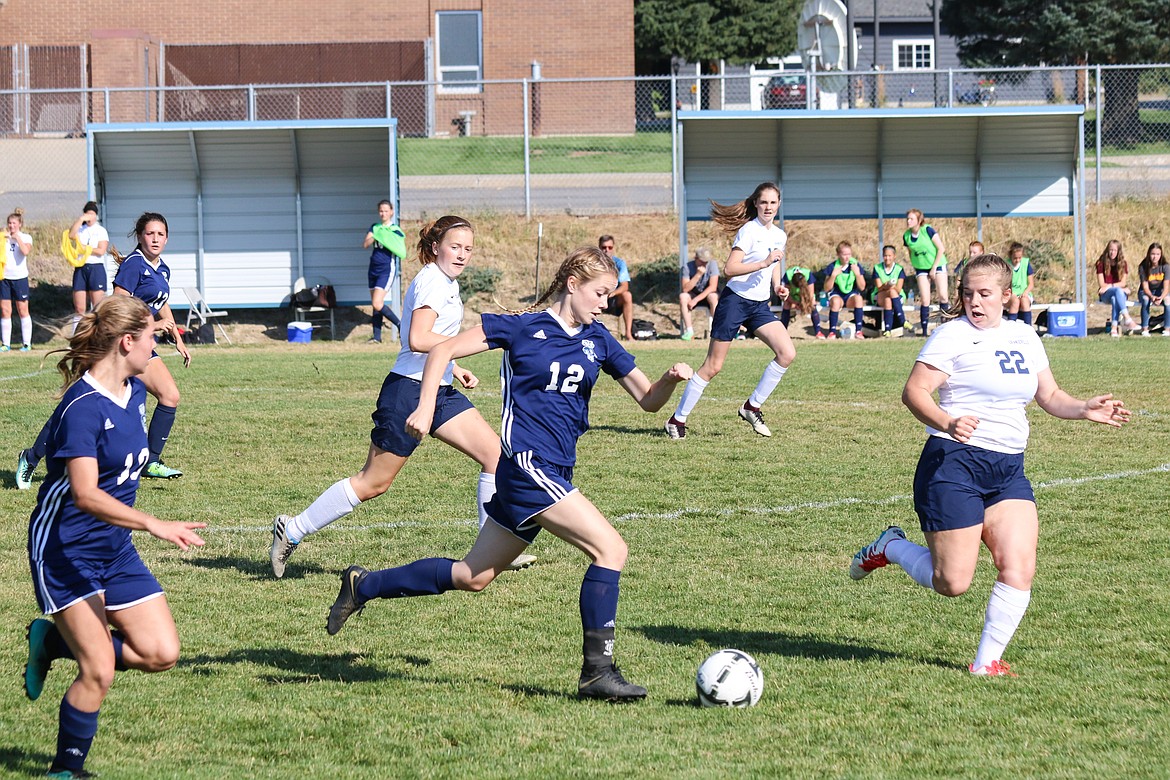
{"x":389,"y":113}
{"x":1097,"y":134}
{"x":251,"y":102}
{"x":674,"y":172}
{"x":527,"y":156}
{"x":950,"y":87}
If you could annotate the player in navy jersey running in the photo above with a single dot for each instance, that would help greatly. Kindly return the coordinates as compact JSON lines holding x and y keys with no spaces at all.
{"x":432,"y":312}
{"x":551,"y":361}
{"x":752,"y":274}
{"x":85,"y":569}
{"x":970,"y":485}
{"x":144,"y":275}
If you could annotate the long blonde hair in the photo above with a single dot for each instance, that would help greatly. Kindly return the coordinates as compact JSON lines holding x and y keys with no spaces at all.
{"x":433,"y":233}
{"x":584,"y":263}
{"x":984,"y":264}
{"x":98,"y":332}
{"x":731,"y":218}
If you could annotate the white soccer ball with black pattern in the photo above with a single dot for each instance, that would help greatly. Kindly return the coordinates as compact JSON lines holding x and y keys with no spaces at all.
{"x":729,"y":678}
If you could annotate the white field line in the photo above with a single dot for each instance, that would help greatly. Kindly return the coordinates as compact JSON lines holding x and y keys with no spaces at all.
{"x":678,"y":514}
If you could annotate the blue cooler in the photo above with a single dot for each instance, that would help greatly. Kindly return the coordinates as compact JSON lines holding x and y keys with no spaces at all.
{"x":300,"y":332}
{"x":1066,"y":319}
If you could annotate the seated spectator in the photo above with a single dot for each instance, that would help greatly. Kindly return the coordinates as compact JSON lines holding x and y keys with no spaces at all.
{"x":974,"y":249}
{"x":621,"y":300}
{"x":845,"y":284}
{"x":1020,"y":304}
{"x":802,"y":296}
{"x":700,"y":285}
{"x":888,"y":279}
{"x":1112,"y":278}
{"x":1153,"y":274}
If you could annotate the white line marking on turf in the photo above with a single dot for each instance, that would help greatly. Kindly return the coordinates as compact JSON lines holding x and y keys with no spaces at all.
{"x":762,"y":511}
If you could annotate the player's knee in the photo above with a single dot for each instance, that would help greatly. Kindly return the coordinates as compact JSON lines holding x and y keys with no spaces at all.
{"x":475,"y":582}
{"x":613,"y":555}
{"x":170,"y":398}
{"x":949,"y":584}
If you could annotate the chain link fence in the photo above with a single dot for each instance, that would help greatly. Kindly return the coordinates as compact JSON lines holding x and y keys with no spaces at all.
{"x":582,"y":146}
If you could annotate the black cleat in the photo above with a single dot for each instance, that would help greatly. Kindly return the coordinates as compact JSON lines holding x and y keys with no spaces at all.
{"x":348,"y":601}
{"x":608,"y":684}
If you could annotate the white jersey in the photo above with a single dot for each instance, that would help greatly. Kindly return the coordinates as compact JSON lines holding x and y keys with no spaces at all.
{"x":756,"y":242}
{"x":15,"y":262}
{"x":92,"y":236}
{"x":435,"y":290}
{"x":991,"y":374}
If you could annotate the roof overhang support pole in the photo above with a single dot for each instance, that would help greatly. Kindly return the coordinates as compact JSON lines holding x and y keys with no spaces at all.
{"x":199,"y":259}
{"x":881,"y":210}
{"x":681,"y":198}
{"x":979,"y":179}
{"x":296,"y":164}
{"x":1080,"y":225}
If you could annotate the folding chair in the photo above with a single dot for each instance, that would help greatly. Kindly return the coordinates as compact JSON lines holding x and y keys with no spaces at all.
{"x":201,"y":311}
{"x":311,"y":312}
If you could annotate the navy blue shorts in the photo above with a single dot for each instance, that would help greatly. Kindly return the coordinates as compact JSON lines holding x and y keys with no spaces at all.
{"x":398,"y":400}
{"x":845,"y":296}
{"x":381,"y":267}
{"x":735,"y":310}
{"x":124,"y":578}
{"x":954,"y":483}
{"x":90,"y":277}
{"x":13,"y":289}
{"x":526,"y":485}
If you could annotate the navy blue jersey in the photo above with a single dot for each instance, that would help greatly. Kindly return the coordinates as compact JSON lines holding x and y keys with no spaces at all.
{"x":151,"y":285}
{"x":547,"y":376}
{"x":89,"y":423}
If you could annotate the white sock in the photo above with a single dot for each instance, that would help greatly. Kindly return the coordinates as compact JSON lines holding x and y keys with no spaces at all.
{"x":773,"y":373}
{"x":26,"y":330}
{"x":484,"y":490}
{"x":6,"y":330}
{"x":914,"y":559}
{"x":335,"y":503}
{"x":73,"y":328}
{"x":691,"y":395}
{"x":1005,"y":609}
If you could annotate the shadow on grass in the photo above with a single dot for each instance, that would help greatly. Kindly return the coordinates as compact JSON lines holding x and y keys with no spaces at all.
{"x":537,"y":691}
{"x":17,"y":760}
{"x":297,"y":667}
{"x":259,"y":568}
{"x":776,"y":643}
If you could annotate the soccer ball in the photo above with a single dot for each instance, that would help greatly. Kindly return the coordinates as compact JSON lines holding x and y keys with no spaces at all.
{"x":729,"y":678}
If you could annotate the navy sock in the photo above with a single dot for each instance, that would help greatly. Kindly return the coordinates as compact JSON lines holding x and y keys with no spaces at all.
{"x":161,"y":423}
{"x":859,"y":318}
{"x":816,"y":319}
{"x":1027,"y":317}
{"x":833,"y":317}
{"x":389,"y":314}
{"x":924,"y":316}
{"x":55,"y":645}
{"x":785,"y":317}
{"x":599,"y":597}
{"x":40,"y":446}
{"x":888,"y":318}
{"x":75,"y":733}
{"x":376,"y":324}
{"x":426,"y":577}
{"x":1013,"y":315}
{"x":899,"y":314}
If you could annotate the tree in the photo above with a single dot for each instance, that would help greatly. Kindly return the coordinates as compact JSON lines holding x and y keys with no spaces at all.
{"x":993,"y":33}
{"x":738,"y":31}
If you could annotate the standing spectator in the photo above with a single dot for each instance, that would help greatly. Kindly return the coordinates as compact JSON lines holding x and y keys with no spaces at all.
{"x":888,"y":278}
{"x":700,"y":283}
{"x":752,"y":275}
{"x":92,"y":280}
{"x":845,"y":285}
{"x":802,"y":296}
{"x":14,"y":286}
{"x":622,"y":296}
{"x":929,"y":259}
{"x":1112,"y":277}
{"x":1023,"y":276}
{"x":86,"y":571}
{"x":1153,"y":274}
{"x":389,"y":243}
{"x":970,"y":486}
{"x":553,"y":359}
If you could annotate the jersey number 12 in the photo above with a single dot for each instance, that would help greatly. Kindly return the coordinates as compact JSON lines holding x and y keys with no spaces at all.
{"x":573,"y":376}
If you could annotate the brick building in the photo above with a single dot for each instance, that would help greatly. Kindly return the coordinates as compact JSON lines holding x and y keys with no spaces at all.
{"x":453,"y":44}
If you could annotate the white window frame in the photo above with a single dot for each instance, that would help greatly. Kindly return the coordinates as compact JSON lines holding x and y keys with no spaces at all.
{"x":913,"y":43}
{"x":450,"y":89}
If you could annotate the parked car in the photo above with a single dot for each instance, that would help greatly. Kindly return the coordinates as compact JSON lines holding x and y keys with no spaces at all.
{"x":785,"y":91}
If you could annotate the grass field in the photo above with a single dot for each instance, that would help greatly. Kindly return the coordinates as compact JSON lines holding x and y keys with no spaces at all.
{"x":735,"y":541}
{"x":637,"y":153}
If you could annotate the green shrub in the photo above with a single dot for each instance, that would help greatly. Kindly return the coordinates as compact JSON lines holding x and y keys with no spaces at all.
{"x":477,"y":279}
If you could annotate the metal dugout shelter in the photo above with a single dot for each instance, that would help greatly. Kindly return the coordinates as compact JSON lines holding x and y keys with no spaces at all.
{"x":998,"y":161}
{"x":251,"y":206}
